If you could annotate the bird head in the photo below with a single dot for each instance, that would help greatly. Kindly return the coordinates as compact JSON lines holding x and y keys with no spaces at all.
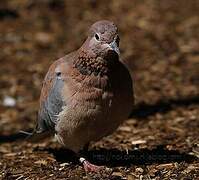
{"x":103,"y":40}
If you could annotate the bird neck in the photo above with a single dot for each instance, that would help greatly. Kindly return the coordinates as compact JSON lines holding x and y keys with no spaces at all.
{"x":88,"y":64}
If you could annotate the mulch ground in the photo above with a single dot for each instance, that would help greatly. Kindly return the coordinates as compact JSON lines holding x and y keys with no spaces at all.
{"x":159,"y":43}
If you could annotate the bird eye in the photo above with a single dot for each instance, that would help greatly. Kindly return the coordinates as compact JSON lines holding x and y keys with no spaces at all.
{"x":117,"y":41}
{"x":97,"y":37}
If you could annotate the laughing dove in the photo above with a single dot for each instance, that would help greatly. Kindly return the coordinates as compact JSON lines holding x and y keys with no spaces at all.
{"x":88,"y":93}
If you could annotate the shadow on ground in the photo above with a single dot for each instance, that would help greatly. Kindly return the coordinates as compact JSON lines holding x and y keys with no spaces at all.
{"x":116,"y":158}
{"x":15,"y":136}
{"x":143,"y":110}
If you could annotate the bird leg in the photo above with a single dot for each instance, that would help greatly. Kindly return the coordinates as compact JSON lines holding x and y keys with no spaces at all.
{"x":88,"y":167}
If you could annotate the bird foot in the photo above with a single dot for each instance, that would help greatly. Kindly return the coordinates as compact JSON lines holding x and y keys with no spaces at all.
{"x":89,"y":167}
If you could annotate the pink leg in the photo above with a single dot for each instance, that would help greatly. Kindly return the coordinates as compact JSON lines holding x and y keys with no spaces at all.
{"x":88,"y":167}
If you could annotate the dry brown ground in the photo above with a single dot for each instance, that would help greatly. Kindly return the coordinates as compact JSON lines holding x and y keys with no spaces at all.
{"x":159,"y":42}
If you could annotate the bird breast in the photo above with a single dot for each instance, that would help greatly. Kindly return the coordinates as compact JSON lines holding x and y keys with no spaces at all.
{"x":93,"y":109}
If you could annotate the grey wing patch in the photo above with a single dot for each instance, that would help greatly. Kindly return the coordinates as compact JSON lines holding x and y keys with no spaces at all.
{"x":51,"y":107}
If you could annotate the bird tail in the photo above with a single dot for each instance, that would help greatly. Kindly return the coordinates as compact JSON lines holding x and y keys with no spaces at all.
{"x":35,"y":135}
{"x":29,"y":134}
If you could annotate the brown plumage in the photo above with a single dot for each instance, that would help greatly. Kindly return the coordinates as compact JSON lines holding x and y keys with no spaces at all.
{"x":88,"y":93}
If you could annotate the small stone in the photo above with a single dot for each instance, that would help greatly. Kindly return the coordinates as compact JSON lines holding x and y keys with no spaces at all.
{"x":9,"y":101}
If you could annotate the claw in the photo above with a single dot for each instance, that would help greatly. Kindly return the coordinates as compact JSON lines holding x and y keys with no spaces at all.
{"x":88,"y":167}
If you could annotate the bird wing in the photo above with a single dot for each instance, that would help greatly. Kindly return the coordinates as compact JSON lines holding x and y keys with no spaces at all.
{"x":51,"y":101}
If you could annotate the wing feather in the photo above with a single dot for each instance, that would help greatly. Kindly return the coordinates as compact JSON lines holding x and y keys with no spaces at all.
{"x":51,"y":99}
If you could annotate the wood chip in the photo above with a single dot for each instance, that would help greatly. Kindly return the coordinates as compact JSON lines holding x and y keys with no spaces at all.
{"x":119,"y":174}
{"x":41,"y":162}
{"x":125,"y":128}
{"x":138,"y":142}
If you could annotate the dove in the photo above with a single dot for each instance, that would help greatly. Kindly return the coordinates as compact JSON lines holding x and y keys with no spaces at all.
{"x":87,"y":93}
